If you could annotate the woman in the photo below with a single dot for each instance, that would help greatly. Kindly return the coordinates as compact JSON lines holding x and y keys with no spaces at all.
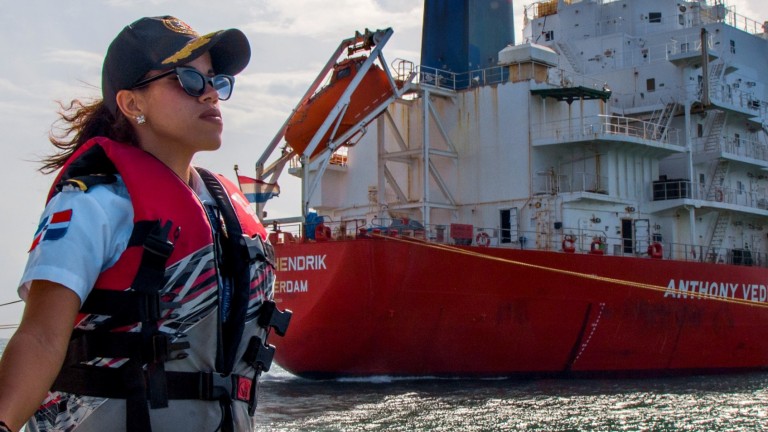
{"x":163,"y":267}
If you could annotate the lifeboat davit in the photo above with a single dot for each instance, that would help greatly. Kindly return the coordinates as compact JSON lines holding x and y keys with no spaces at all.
{"x":373,"y":89}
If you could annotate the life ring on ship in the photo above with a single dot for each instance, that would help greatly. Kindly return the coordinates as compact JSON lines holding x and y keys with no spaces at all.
{"x":322,"y":232}
{"x":655,"y":250}
{"x":483,"y":239}
{"x":596,"y":247}
{"x":719,"y":195}
{"x":569,"y":245}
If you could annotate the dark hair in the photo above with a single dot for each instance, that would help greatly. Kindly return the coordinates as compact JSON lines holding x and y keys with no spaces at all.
{"x":80,"y":122}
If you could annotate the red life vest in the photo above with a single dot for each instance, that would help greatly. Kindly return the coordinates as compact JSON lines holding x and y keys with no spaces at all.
{"x":161,"y":300}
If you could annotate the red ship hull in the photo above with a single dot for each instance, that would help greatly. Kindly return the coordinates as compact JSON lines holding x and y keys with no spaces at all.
{"x":404,"y":308}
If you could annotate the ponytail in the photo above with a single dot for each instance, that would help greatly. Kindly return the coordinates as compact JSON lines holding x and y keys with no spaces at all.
{"x":81,"y":122}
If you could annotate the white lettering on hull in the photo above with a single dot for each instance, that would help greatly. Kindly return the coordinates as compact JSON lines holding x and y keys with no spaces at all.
{"x":301,"y":263}
{"x":291,"y":286}
{"x":297,"y":264}
{"x":702,"y":289}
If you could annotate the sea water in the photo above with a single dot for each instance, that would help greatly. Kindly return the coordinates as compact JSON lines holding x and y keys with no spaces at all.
{"x":736,"y":402}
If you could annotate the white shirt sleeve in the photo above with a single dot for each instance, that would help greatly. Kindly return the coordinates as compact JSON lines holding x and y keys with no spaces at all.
{"x":80,"y":235}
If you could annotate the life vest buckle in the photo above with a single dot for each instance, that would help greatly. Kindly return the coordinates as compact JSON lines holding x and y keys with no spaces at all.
{"x":271,"y":316}
{"x":157,"y":241}
{"x":259,"y":355}
{"x":220,"y":386}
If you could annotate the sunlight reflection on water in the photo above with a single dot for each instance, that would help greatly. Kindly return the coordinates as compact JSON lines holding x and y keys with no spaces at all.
{"x":730,"y":402}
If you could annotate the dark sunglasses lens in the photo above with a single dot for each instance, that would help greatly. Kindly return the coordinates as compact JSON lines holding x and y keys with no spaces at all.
{"x":194,"y":83}
{"x":223,"y":85}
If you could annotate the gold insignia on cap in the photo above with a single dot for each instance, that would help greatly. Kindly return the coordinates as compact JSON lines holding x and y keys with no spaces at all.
{"x":179,"y":26}
{"x":189,"y":48}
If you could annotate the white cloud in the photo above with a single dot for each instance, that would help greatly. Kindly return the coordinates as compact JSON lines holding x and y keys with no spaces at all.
{"x":87,"y":59}
{"x":314,"y":18}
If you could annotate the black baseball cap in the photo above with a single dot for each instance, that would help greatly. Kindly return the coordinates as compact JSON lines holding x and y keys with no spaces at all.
{"x":162,"y":43}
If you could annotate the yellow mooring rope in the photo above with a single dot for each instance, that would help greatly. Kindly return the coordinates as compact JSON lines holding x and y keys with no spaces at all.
{"x":659,"y":288}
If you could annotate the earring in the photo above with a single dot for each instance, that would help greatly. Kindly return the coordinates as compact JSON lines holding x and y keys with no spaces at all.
{"x":141,"y":119}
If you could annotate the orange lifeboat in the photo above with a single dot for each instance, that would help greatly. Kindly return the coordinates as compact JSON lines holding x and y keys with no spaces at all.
{"x":373,"y":89}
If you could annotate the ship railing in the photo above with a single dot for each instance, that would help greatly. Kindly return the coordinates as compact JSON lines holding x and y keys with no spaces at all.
{"x":577,"y":182}
{"x":583,"y":240}
{"x":733,"y":146}
{"x":680,"y":189}
{"x":738,"y":95}
{"x":596,"y":241}
{"x":741,"y":22}
{"x":564,"y":78}
{"x":736,"y":256}
{"x":733,"y":195}
{"x":339,"y":158}
{"x":319,"y":231}
{"x":648,"y":101}
{"x":458,"y":81}
{"x":687,"y":43}
{"x":403,"y":69}
{"x":715,"y":12}
{"x":587,"y":128}
{"x":285,"y":232}
{"x":531,"y":70}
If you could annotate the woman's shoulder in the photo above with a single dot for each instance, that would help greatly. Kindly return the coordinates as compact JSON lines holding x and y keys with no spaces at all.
{"x":107,"y":199}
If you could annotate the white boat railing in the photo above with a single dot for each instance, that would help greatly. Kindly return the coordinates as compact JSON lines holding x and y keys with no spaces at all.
{"x":583,"y":241}
{"x":545,"y":183}
{"x":740,"y":147}
{"x":504,"y":73}
{"x":578,"y":129}
{"x":684,"y":189}
{"x":742,"y":22}
{"x":687,"y":43}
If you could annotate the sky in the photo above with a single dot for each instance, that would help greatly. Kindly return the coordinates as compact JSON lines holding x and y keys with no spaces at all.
{"x":52,"y":50}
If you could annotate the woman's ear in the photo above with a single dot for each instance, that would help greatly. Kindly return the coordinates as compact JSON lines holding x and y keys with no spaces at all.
{"x":130,"y":103}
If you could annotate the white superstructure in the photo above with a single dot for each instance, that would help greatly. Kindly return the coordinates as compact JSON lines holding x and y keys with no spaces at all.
{"x":610,"y":124}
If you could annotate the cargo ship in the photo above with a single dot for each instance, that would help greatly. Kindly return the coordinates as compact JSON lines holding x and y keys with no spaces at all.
{"x":591,"y":201}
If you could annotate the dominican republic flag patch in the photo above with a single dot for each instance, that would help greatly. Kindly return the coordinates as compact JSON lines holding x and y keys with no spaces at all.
{"x":53,"y":227}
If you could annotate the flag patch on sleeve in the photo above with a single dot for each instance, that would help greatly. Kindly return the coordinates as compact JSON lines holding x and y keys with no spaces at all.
{"x":52,"y":227}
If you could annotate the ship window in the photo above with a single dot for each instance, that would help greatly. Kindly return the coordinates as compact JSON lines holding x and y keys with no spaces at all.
{"x":702,"y":179}
{"x":654,"y":17}
{"x":733,"y":47}
{"x":343,"y":73}
{"x":549,"y":35}
{"x":650,"y":84}
{"x":740,"y":187}
{"x":699,"y":130}
{"x":737,"y":139}
{"x":681,"y":19}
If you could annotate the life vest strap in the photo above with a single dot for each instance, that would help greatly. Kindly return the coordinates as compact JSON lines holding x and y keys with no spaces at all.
{"x":121,"y":383}
{"x":126,"y":307}
{"x":87,"y":345}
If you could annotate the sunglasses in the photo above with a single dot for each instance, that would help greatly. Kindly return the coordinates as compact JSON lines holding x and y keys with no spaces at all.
{"x":193,"y":82}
